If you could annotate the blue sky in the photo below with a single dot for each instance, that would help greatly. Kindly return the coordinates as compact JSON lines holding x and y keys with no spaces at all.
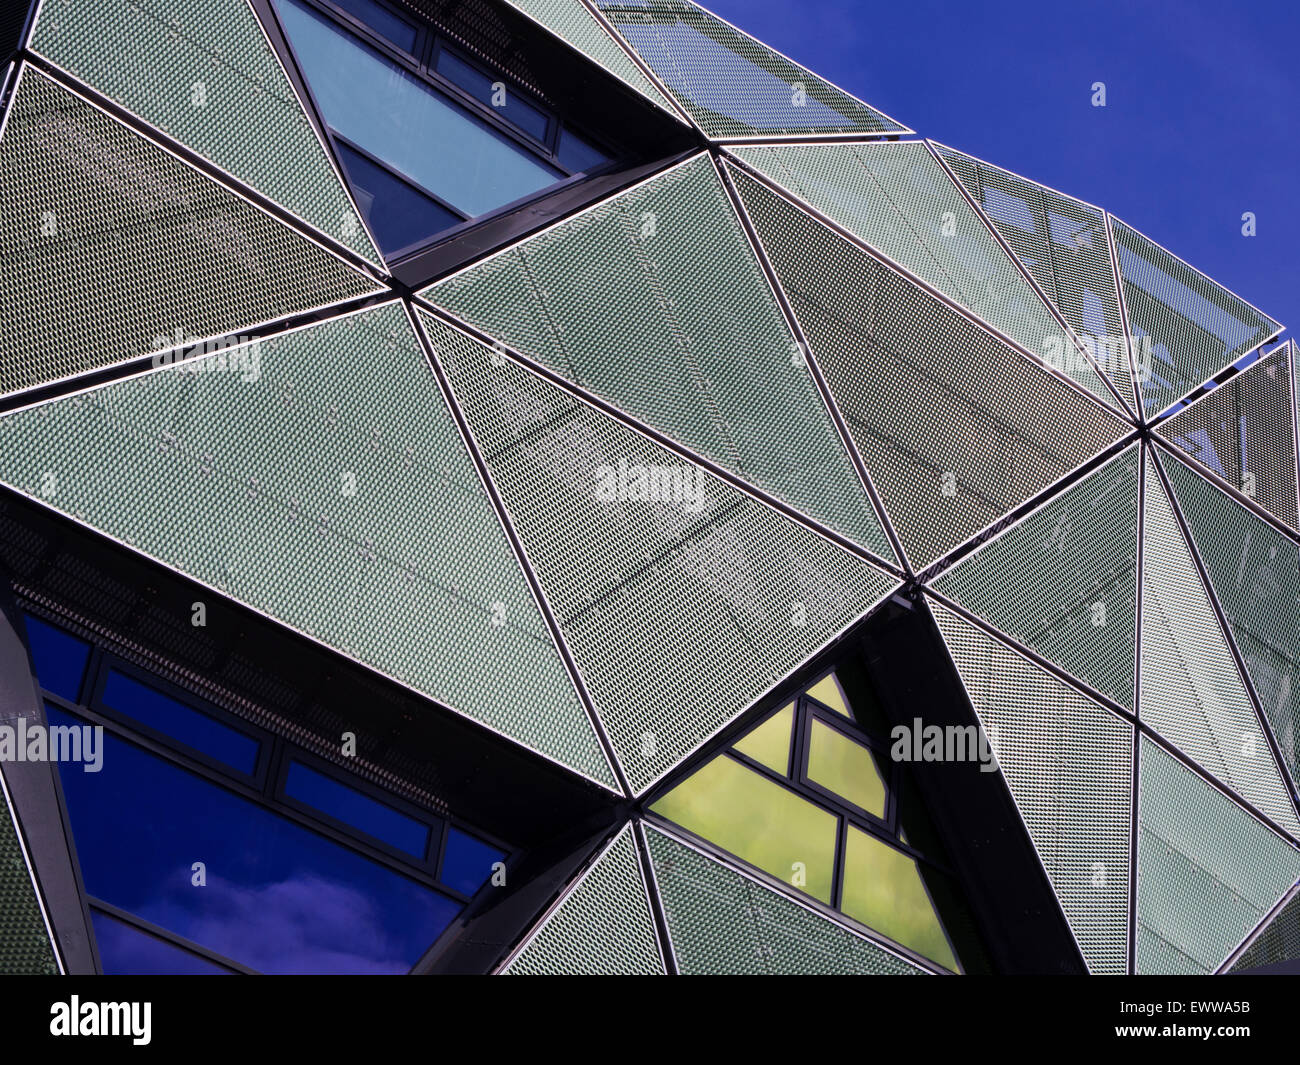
{"x":1202,"y":116}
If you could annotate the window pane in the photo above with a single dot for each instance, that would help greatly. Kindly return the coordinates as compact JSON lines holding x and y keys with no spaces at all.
{"x":769,"y":744}
{"x":59,"y":656}
{"x":846,"y":768}
{"x":172,"y":718}
{"x":883,"y":890}
{"x":398,"y":214}
{"x":467,"y":862}
{"x":386,"y":23}
{"x":827,"y":692}
{"x":408,"y":125}
{"x":508,"y":103}
{"x":343,"y":803}
{"x":578,"y":155}
{"x":124,"y":950}
{"x":758,"y":820}
{"x":278,"y":897}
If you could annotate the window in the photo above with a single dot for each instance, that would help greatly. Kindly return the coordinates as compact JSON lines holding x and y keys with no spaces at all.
{"x":428,"y":137}
{"x":207,"y":845}
{"x":811,"y":796}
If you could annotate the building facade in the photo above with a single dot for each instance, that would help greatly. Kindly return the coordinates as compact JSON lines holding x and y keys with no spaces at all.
{"x":555,"y":486}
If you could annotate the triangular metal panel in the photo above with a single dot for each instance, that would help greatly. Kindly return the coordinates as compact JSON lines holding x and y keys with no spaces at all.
{"x":1244,"y":432}
{"x":898,"y":198}
{"x":1192,"y":693}
{"x":203,"y":73}
{"x":602,"y":926}
{"x":26,"y":948}
{"x":1254,"y":573}
{"x":1208,"y":871}
{"x":733,"y":86}
{"x":653,"y":301}
{"x":115,"y":249}
{"x":1063,"y":581}
{"x":319,"y":478}
{"x":1068,"y":763}
{"x":1063,"y":243}
{"x":1277,"y":941}
{"x":1185,"y":327}
{"x":682,"y":598}
{"x":721,"y":921}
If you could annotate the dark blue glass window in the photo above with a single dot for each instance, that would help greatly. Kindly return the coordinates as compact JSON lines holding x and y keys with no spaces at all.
{"x":578,"y":155}
{"x":124,"y":950}
{"x":492,"y":91}
{"x":352,"y":807}
{"x":172,"y":718}
{"x":397,"y":213}
{"x":59,"y":656}
{"x":278,"y":897}
{"x":415,"y":130}
{"x":388,"y":24}
{"x":467,"y":862}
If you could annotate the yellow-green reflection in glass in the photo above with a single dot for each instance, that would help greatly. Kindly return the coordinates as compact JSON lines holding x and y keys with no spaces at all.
{"x":769,"y":744}
{"x":758,"y":820}
{"x":883,"y":890}
{"x":846,"y":768}
{"x":827,"y":691}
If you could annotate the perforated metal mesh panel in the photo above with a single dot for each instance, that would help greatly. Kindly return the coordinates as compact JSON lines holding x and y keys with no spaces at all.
{"x":722,"y":922}
{"x":1255,"y":572}
{"x":1207,"y":870}
{"x":326,"y":486}
{"x":24,"y":942}
{"x":1193,"y":326}
{"x":573,"y":23}
{"x":731,"y":84}
{"x":1244,"y":432}
{"x":1064,"y":580}
{"x":955,"y":427}
{"x":202,"y":72}
{"x":1068,"y":763}
{"x":682,"y":599}
{"x":1192,"y":693}
{"x":1062,"y":242}
{"x":112,"y":247}
{"x":1278,"y":941}
{"x":654,"y":301}
{"x":898,"y":199}
{"x":602,"y":928}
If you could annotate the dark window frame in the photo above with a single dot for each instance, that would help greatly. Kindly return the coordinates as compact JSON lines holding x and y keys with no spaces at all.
{"x":422,"y":67}
{"x":264,"y":788}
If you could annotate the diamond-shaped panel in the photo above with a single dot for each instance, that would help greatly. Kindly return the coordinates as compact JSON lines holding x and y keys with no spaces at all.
{"x":654,"y":301}
{"x":683,"y":599}
{"x":318,"y":477}
{"x":956,"y":427}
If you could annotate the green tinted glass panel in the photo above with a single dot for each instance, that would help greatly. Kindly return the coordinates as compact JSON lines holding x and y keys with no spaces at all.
{"x":883,"y":889}
{"x":757,"y":820}
{"x":846,"y":768}
{"x":827,"y":691}
{"x":770,"y":742}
